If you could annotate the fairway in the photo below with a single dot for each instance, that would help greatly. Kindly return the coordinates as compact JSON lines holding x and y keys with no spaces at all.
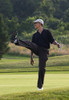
{"x":27,"y":82}
{"x":18,"y":79}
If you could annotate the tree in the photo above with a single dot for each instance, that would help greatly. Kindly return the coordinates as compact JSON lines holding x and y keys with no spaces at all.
{"x":3,"y":37}
{"x":66,"y":16}
{"x":27,"y":25}
{"x":6,"y":8}
{"x":47,"y":7}
{"x":25,"y":8}
{"x":53,"y":23}
{"x":60,"y":8}
{"x":13,"y":25}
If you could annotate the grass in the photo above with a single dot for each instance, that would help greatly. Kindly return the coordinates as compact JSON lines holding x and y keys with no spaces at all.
{"x":45,"y":95}
{"x":27,"y":82}
{"x":21,"y":85}
{"x":22,"y":64}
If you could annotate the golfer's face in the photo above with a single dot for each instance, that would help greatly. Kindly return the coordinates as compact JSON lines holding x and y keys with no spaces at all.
{"x":37,"y":25}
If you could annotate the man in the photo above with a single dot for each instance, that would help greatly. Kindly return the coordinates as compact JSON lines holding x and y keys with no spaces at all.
{"x":40,"y":46}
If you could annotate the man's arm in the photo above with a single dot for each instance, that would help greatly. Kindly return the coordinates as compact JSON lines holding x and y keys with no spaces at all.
{"x":32,"y":61}
{"x":56,"y":43}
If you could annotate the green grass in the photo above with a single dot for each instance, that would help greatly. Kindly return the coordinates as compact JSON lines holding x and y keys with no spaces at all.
{"x":15,"y":84}
{"x":21,"y":64}
{"x":22,"y":86}
{"x":45,"y":95}
{"x":27,"y":82}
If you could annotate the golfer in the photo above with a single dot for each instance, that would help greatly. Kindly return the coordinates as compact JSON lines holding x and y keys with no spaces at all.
{"x":40,"y":45}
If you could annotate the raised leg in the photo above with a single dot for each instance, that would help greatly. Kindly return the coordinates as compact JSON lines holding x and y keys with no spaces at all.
{"x":30,"y":45}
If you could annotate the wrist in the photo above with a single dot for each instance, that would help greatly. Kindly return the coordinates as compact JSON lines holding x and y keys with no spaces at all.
{"x":31,"y":58}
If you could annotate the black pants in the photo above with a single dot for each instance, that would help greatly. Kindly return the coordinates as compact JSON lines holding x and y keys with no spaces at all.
{"x":43,"y":57}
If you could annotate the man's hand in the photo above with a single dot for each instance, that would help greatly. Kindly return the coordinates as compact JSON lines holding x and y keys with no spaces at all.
{"x":32,"y":62}
{"x":56,"y":43}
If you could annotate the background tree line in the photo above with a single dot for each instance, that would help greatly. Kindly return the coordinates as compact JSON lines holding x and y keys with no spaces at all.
{"x":18,"y":15}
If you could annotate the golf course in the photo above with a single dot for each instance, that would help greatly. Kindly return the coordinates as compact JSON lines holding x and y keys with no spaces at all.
{"x":31,"y":30}
{"x":18,"y":79}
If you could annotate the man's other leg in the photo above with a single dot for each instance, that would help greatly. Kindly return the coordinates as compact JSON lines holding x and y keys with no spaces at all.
{"x":42,"y":64}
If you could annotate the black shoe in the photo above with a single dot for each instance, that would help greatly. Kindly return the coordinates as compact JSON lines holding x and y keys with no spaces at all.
{"x":14,"y":37}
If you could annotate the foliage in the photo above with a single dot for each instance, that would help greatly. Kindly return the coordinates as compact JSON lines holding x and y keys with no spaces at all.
{"x":19,"y":16}
{"x":27,"y":25}
{"x":13,"y":24}
{"x":6,"y":8}
{"x":3,"y":37}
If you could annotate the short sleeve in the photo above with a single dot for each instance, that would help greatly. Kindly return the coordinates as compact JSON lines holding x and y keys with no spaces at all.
{"x":50,"y":37}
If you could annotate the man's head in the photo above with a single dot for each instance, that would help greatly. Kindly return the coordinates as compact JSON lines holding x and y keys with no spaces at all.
{"x":38,"y":23}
